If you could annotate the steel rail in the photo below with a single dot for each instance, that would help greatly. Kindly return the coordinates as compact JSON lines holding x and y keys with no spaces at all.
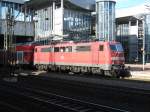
{"x":90,"y":85}
{"x":10,"y":107}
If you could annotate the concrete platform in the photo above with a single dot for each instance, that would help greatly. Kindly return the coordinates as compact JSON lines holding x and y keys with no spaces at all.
{"x":138,"y":73}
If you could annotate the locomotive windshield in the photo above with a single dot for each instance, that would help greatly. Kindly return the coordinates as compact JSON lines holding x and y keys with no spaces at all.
{"x":116,"y":47}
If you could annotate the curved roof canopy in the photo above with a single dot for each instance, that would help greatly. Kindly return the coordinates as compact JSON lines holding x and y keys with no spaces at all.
{"x":84,"y":4}
{"x":15,"y":1}
{"x":105,"y":0}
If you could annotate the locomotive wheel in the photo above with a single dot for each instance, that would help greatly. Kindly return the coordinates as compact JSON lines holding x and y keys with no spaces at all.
{"x":40,"y":67}
{"x":45,"y":67}
{"x":115,"y":74}
{"x":108,"y":73}
{"x":102,"y":73}
{"x":36,"y":67}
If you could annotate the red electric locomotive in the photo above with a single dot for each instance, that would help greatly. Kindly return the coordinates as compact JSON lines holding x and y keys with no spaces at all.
{"x":93,"y":57}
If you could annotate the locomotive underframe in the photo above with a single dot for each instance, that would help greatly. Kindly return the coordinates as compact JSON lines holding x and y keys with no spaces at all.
{"x":107,"y":70}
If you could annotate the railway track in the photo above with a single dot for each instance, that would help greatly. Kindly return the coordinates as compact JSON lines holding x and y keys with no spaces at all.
{"x":43,"y":101}
{"x":6,"y":107}
{"x":84,"y":82}
{"x":135,"y":100}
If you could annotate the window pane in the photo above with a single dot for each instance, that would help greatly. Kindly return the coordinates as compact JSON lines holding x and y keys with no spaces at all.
{"x":68,"y":49}
{"x":56,"y":49}
{"x":101,"y":48}
{"x":113,"y":47}
{"x":117,"y":47}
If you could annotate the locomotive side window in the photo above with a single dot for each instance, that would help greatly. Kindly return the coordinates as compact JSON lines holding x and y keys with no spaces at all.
{"x":116,"y":47}
{"x":83,"y":48}
{"x":68,"y":49}
{"x":46,"y":49}
{"x":56,"y":49}
{"x":119,"y":47}
{"x":101,"y":48}
{"x":62,"y":49}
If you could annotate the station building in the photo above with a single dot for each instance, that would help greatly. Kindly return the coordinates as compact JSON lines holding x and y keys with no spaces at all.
{"x":23,"y":29}
{"x":133,"y":26}
{"x":105,"y":20}
{"x":57,"y":19}
{"x":73,"y":19}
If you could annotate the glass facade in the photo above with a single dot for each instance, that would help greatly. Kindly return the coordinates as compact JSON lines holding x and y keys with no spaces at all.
{"x":77,"y":25}
{"x":123,"y":37}
{"x":130,"y":34}
{"x":122,"y":32}
{"x":43,"y":23}
{"x":147,"y":38}
{"x":23,"y":28}
{"x":51,"y":20}
{"x":16,"y":9}
{"x":105,"y":20}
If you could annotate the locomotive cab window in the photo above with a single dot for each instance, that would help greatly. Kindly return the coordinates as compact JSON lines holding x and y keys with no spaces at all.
{"x":116,"y":47}
{"x":101,"y":48}
{"x":113,"y":47}
{"x":119,"y":48}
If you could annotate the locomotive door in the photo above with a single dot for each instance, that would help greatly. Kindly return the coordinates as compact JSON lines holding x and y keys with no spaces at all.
{"x":95,"y":54}
{"x":52,"y":55}
{"x":20,"y":57}
{"x":37,"y":56}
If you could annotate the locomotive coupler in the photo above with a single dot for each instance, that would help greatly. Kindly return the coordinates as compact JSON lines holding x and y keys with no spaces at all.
{"x":122,"y":71}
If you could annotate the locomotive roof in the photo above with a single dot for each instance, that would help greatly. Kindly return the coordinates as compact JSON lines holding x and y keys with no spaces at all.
{"x":76,"y":43}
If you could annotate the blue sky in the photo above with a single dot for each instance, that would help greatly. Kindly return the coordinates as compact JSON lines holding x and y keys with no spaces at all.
{"x":129,"y":3}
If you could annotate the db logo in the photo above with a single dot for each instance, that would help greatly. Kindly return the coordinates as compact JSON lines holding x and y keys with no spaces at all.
{"x":62,"y":57}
